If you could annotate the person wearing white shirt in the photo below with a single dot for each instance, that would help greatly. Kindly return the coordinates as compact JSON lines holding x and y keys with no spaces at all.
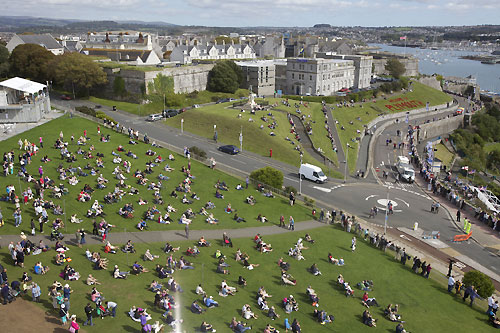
{"x":451,"y":283}
{"x":112,"y":307}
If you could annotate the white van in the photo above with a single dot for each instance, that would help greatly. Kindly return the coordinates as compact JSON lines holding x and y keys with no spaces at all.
{"x":312,"y":172}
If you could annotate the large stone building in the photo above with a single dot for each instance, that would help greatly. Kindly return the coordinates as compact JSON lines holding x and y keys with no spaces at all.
{"x":270,"y":47}
{"x":23,"y":101}
{"x":318,"y":77}
{"x":380,"y":59}
{"x":362,"y":67}
{"x":259,"y":75}
{"x":45,"y":40}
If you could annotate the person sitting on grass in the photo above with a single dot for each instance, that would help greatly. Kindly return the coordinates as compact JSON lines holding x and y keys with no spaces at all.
{"x":323,"y":317}
{"x":117,"y":274}
{"x":196,"y":308}
{"x":365,"y":285}
{"x":209,"y":302}
{"x":287,"y":279}
{"x":40,"y":269}
{"x":205,"y":327}
{"x":211,"y":219}
{"x":250,"y":200}
{"x":315,"y":270}
{"x":238,"y":218}
{"x":129,"y":247}
{"x":368,"y":319}
{"x":155,"y":286}
{"x":92,"y":280}
{"x":308,"y":239}
{"x":242,"y":281}
{"x":262,"y":218}
{"x":228,"y":208}
{"x":367,"y":301}
{"x":218,"y":195}
{"x":392,"y":313}
{"x":239,"y":187}
{"x":247,"y":312}
{"x":312,"y":296}
{"x":149,"y":256}
{"x":138,"y":268}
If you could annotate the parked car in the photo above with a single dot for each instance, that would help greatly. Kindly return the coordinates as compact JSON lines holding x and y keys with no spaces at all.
{"x":169,"y":113}
{"x":195,"y":106}
{"x":229,"y":149}
{"x":66,"y":97}
{"x":223,"y":100}
{"x":154,"y":117}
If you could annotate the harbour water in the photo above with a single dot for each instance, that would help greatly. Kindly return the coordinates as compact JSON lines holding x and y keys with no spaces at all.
{"x":448,"y":63}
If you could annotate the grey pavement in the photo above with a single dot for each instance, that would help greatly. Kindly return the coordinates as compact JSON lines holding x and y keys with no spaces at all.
{"x":169,"y":235}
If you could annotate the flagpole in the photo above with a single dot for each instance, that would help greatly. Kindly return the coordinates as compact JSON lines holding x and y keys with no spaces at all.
{"x":404,"y":52}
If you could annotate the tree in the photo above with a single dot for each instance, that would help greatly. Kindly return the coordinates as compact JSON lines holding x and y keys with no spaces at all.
{"x":78,"y":71}
{"x":4,"y":61}
{"x":224,"y":77}
{"x":395,"y":67}
{"x":268,"y":176}
{"x":481,"y":282}
{"x":31,"y":61}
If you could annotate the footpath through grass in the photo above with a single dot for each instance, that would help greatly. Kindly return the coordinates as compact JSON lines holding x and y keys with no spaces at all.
{"x":424,"y":304}
{"x":203,"y":184}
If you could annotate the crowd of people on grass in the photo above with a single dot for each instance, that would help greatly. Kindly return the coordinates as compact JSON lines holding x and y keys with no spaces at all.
{"x":164,"y":287}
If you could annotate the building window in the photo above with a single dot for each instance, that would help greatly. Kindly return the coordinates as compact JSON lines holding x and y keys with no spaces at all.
{"x":310,"y":77}
{"x":293,"y":76}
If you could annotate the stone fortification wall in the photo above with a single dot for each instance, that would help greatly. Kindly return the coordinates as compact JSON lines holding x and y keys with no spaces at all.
{"x":186,"y":78}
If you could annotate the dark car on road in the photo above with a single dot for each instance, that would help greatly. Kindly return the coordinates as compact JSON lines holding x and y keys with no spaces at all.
{"x":223,"y":100}
{"x":170,"y":113}
{"x":229,"y":149}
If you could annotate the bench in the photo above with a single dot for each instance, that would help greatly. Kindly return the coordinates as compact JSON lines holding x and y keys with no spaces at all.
{"x":461,"y":238}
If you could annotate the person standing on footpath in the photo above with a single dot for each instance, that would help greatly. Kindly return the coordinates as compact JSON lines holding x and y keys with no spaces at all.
{"x":458,"y":215}
{"x":282,"y":221}
{"x":291,"y":223}
{"x":78,"y":237}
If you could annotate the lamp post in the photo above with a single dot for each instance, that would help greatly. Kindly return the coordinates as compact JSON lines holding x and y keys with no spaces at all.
{"x":241,"y":139}
{"x":215,"y":133}
{"x":346,"y":159}
{"x":182,"y":125}
{"x":386,"y":213}
{"x":300,"y":176}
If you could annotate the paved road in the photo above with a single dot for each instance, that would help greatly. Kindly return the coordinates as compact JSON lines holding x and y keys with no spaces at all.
{"x":355,"y":197}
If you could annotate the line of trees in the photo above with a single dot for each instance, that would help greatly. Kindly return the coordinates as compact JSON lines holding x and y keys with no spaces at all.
{"x":71,"y":71}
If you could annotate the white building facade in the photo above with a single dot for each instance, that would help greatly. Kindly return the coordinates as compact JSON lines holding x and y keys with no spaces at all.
{"x":317,"y":76}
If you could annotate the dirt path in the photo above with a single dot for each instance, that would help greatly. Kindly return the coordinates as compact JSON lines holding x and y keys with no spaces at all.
{"x":24,"y":316}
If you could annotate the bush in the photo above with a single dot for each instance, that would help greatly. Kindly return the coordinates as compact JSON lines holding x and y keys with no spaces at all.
{"x":268,"y":176}
{"x":102,"y":115}
{"x":309,"y":201}
{"x":480,"y":281}
{"x":86,"y":110}
{"x":289,"y":189}
{"x":200,"y":153}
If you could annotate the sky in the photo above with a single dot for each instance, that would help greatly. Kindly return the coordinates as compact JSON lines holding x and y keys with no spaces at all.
{"x":282,"y":13}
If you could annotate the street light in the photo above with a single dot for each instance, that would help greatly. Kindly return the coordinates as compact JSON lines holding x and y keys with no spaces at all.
{"x":182,"y":125}
{"x":300,"y":176}
{"x":386,"y":212}
{"x":346,"y":159}
{"x":241,"y":139}
{"x":215,"y":133}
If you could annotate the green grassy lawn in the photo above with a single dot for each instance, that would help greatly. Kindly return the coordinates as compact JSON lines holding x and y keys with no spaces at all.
{"x":444,"y":155}
{"x":489,"y":147}
{"x":125,"y":106}
{"x":423,"y":303}
{"x":201,"y":122}
{"x":203,"y":184}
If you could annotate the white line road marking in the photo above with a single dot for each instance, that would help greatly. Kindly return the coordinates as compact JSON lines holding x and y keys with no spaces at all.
{"x":236,"y":160}
{"x":404,"y":237}
{"x":292,"y":179}
{"x":215,"y":153}
{"x":338,"y":186}
{"x":407,"y":204}
{"x":327,"y":190}
{"x":371,"y":196}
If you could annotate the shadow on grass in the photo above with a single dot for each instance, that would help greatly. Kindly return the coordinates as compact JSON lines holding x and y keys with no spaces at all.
{"x":459,"y":299}
{"x":128,"y":328}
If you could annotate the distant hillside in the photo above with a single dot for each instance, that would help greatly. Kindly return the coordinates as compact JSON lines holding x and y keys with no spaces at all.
{"x":40,"y":25}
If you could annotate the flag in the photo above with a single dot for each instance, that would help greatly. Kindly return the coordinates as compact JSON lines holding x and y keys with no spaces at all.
{"x":402,"y":38}
{"x":301,"y":51}
{"x":472,"y":172}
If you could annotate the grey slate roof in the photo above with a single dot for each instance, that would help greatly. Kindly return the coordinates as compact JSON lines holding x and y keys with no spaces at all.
{"x":44,"y":40}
